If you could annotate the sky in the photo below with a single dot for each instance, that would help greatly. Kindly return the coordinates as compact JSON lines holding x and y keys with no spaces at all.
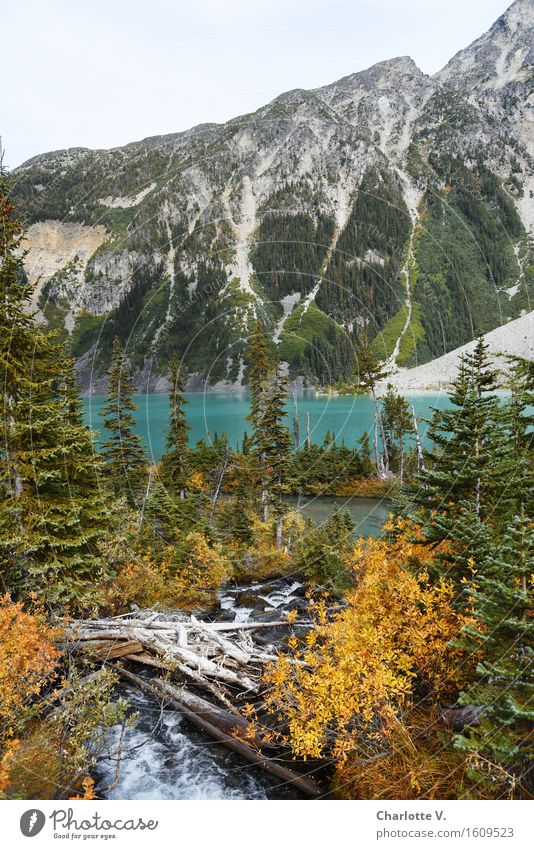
{"x":102,"y":73}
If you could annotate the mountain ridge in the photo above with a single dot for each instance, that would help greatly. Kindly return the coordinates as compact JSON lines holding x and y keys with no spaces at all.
{"x":388,"y":200}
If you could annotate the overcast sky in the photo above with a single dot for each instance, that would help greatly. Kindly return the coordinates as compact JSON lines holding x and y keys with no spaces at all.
{"x":101,"y":73}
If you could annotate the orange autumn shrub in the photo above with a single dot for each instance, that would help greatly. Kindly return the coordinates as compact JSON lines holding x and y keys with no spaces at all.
{"x":28,"y":660}
{"x":355,"y":672}
{"x":142,"y":582}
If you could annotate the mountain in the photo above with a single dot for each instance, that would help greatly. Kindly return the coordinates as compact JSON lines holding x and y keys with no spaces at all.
{"x":389,"y":200}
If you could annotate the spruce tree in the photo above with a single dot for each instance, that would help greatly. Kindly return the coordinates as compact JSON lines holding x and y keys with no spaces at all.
{"x":259,"y":369}
{"x":122,"y":452}
{"x":364,"y":452}
{"x":273,"y":443}
{"x":469,"y":485}
{"x":397,"y":423}
{"x":463,"y":442}
{"x":240,"y":523}
{"x":503,"y":691}
{"x":370,"y":372}
{"x":52,"y":512}
{"x":174,"y":463}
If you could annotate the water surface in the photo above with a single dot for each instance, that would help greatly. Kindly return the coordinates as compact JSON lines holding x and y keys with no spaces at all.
{"x":346,"y":416}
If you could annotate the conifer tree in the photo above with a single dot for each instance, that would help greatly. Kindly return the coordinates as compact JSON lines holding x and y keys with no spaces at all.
{"x":370,"y":372}
{"x":463,"y":442}
{"x":260,"y":367}
{"x":463,"y":488}
{"x":365,"y":452}
{"x":174,"y":463}
{"x":503,"y":598}
{"x":52,"y":512}
{"x":240,"y":524}
{"x":273,"y":444}
{"x":122,"y":452}
{"x":397,"y":423}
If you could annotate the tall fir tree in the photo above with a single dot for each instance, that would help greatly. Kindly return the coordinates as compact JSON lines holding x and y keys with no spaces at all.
{"x":273,"y":444}
{"x":469,"y":486}
{"x":503,"y":692}
{"x":52,"y":511}
{"x":260,"y":367}
{"x":397,"y":424}
{"x":122,"y":452}
{"x":369,"y":372}
{"x":174,"y":463}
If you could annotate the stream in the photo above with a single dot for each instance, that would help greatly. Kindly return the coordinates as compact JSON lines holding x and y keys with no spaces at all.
{"x":167,"y":758}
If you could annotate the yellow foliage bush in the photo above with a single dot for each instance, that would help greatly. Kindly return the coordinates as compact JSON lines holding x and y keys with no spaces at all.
{"x":357,"y":670}
{"x":266,"y":560}
{"x":202,"y":571}
{"x":190,"y":577}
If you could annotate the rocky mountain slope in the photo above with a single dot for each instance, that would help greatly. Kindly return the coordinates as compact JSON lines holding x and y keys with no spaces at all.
{"x":388,"y":200}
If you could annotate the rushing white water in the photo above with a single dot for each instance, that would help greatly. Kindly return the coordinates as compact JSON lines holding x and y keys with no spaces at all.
{"x":280,"y":594}
{"x":166,"y":758}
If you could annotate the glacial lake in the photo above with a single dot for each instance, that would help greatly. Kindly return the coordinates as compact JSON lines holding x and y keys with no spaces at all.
{"x":347,"y":416}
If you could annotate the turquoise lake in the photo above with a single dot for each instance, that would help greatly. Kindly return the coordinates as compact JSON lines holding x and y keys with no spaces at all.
{"x":347,"y":416}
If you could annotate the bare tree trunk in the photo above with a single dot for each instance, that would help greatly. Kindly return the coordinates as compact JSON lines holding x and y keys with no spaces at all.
{"x":265,"y":503}
{"x":222,"y":470}
{"x":378,"y":462}
{"x":401,"y":461}
{"x":279,"y":531}
{"x":145,"y":499}
{"x":308,"y":433}
{"x":384,"y":461}
{"x":420,"y":456}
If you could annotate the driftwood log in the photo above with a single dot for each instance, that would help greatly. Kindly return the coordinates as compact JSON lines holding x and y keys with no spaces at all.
{"x":222,"y":659}
{"x":220,"y":725}
{"x":215,"y":655}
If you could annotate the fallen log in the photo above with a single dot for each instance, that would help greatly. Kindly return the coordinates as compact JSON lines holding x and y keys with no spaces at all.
{"x":106,"y":624}
{"x":210,"y":720}
{"x":111,"y":649}
{"x":217,"y":690}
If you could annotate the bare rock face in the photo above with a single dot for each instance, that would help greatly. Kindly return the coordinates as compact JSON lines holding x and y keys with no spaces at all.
{"x":319,"y":214}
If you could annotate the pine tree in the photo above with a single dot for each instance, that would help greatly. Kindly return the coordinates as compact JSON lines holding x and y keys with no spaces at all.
{"x":463,"y":490}
{"x":397,"y":423}
{"x":122,"y":452}
{"x":273,"y":445}
{"x":52,"y":512}
{"x":83,"y":466}
{"x":259,"y":368}
{"x":365,"y":452}
{"x":174,"y":463}
{"x":240,"y":524}
{"x":503,"y":692}
{"x":369,"y":373}
{"x":463,"y":442}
